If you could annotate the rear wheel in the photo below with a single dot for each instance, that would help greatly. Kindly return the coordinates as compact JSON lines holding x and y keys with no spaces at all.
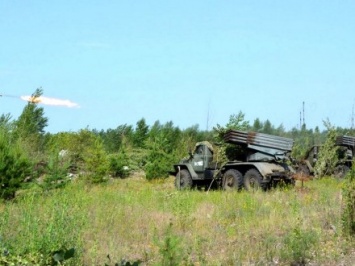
{"x":232,"y":180}
{"x":183,"y":180}
{"x":252,"y":180}
{"x":341,"y":171}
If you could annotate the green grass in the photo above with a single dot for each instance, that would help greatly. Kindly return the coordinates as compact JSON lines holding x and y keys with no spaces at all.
{"x":151,"y":222}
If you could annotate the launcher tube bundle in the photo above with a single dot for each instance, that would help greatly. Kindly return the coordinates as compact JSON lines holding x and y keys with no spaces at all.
{"x":345,"y":141}
{"x":260,"y":146}
{"x":258,"y":139}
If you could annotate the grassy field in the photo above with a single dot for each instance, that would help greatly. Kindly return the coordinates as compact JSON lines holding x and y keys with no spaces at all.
{"x":136,"y":220}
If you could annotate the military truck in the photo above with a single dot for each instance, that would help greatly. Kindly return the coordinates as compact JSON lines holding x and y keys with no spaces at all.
{"x":261,"y":164}
{"x":345,"y":153}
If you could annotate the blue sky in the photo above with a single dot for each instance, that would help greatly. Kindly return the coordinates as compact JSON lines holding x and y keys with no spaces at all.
{"x":189,"y":62}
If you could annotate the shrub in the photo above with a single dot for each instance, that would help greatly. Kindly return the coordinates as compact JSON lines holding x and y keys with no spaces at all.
{"x":328,"y":155}
{"x":170,"y":248}
{"x":58,"y":257}
{"x":96,"y":162}
{"x":159,"y":160}
{"x":158,"y":165}
{"x":298,"y":245}
{"x":14,"y":166}
{"x":118,"y":165}
{"x":348,"y":212}
{"x":56,"y":172}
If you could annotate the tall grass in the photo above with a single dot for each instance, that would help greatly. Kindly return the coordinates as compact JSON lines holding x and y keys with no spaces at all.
{"x":136,"y":220}
{"x":348,"y":214}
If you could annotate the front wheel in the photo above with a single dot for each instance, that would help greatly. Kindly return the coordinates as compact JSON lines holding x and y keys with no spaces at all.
{"x":183,"y":180}
{"x":253,"y":180}
{"x":232,"y":180}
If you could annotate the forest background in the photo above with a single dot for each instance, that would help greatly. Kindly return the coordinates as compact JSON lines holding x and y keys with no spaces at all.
{"x":98,"y":155}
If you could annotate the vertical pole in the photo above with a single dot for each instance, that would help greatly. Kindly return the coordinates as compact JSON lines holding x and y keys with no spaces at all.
{"x":300,"y":120}
{"x":304,"y":123}
{"x":352,"y":118}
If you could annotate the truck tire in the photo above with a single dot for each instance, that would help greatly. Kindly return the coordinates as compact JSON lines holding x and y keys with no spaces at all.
{"x":252,"y":180}
{"x":183,"y":180}
{"x":341,"y":171}
{"x":232,"y":180}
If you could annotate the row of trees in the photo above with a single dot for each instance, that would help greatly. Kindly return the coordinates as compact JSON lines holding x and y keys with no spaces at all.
{"x":29,"y":155}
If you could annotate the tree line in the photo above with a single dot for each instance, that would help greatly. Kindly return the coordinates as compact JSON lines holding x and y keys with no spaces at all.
{"x":30,"y":156}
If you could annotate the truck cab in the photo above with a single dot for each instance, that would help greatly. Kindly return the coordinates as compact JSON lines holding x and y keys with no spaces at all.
{"x":197,"y":168}
{"x":201,"y":157}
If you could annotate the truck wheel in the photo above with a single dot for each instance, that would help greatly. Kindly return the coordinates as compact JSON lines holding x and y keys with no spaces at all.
{"x":183,"y":180}
{"x":232,"y":179}
{"x":341,"y":171}
{"x":252,"y":180}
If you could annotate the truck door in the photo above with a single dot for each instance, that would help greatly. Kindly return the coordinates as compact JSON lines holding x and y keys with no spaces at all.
{"x":201,"y":158}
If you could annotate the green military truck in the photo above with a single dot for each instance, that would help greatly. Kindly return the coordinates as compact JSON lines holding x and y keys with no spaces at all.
{"x":345,"y":151}
{"x":262,"y":163}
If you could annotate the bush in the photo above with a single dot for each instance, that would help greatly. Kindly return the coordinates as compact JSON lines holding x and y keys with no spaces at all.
{"x":298,"y":246}
{"x":170,"y":248}
{"x":96,"y":162}
{"x":348,"y":213}
{"x":118,"y":165}
{"x":15,"y":166}
{"x":158,"y":164}
{"x":159,"y":159}
{"x":56,"y":175}
{"x":158,"y":168}
{"x":57,"y":257}
{"x":328,"y":155}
